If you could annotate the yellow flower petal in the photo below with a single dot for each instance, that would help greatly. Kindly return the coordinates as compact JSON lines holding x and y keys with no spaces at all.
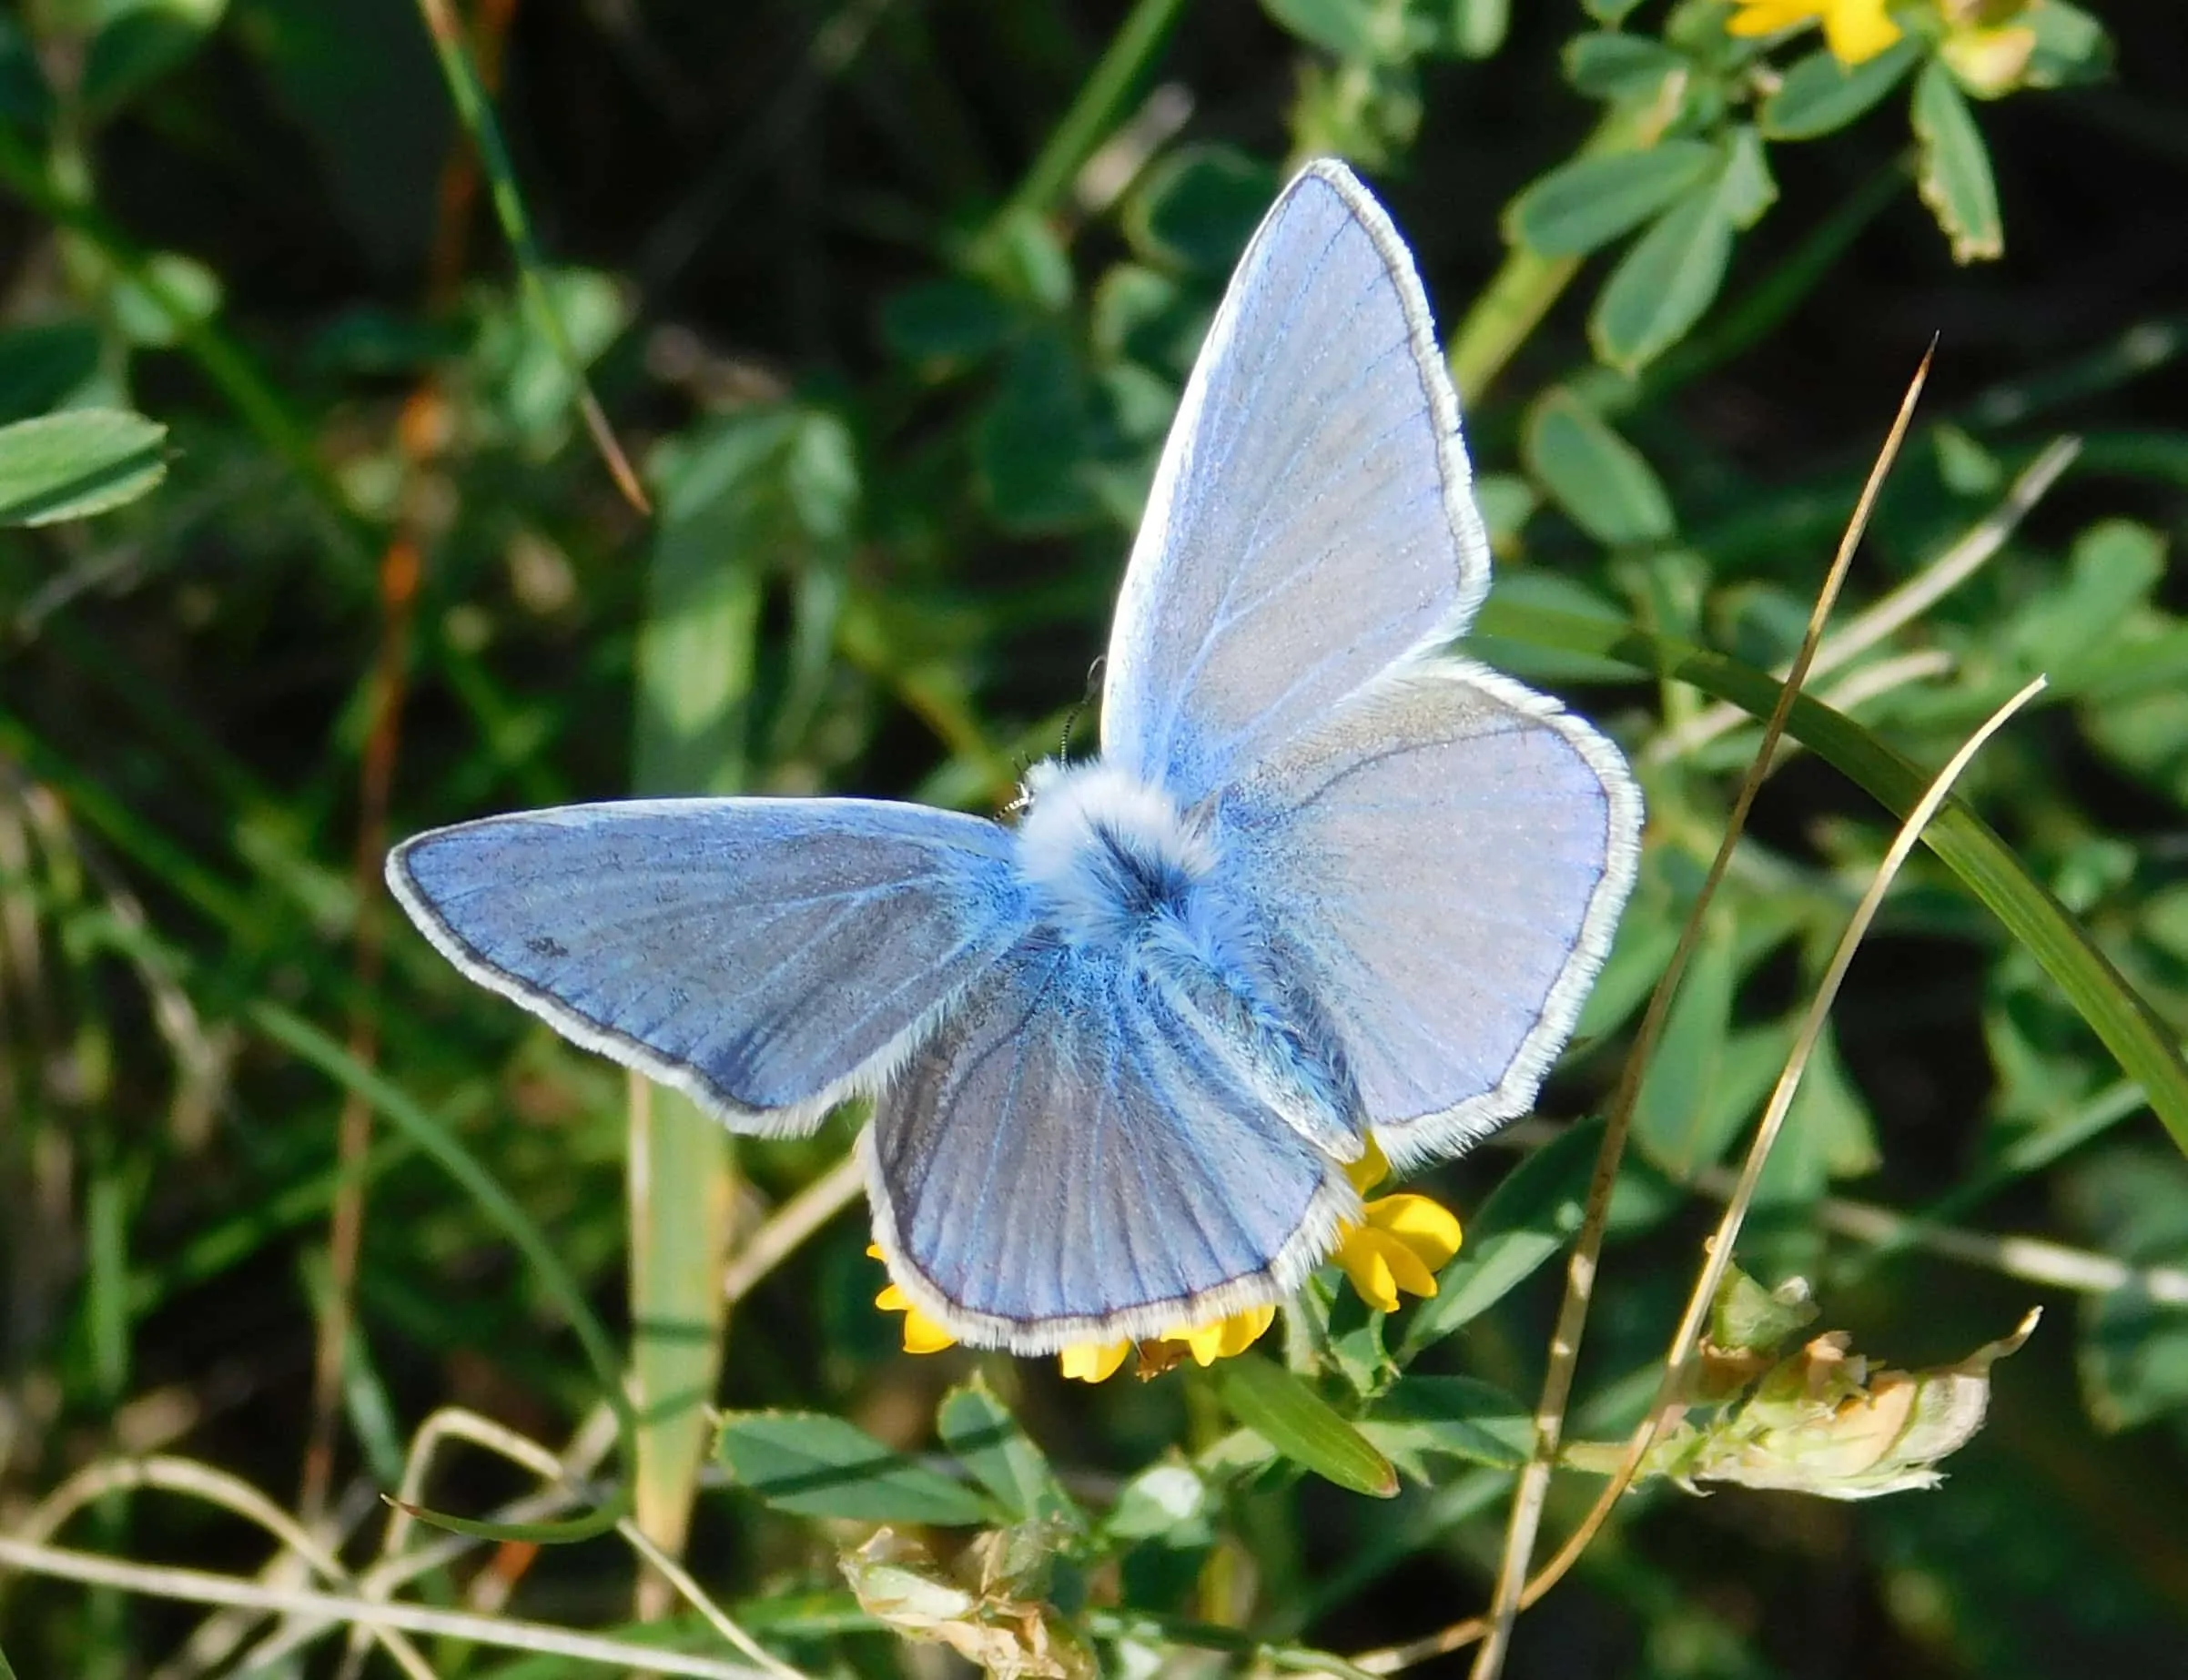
{"x":1093,"y":1362}
{"x":1367,"y":1262}
{"x":1371,"y":1168}
{"x":1768,"y":16}
{"x":1858,"y":30}
{"x":1228,"y":1336}
{"x":1422,"y":1224}
{"x":923,"y":1335}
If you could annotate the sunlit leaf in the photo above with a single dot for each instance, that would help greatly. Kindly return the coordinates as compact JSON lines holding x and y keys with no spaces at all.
{"x":1586,"y":203}
{"x":1954,"y":171}
{"x":817,"y":1465}
{"x":75,"y":463}
{"x":1299,"y":1424}
{"x":1820,"y":95}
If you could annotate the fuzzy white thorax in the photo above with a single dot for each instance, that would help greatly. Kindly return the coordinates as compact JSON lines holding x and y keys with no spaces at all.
{"x":1096,"y":843}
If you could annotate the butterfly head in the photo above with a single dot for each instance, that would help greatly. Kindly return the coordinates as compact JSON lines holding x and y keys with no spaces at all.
{"x":1108,"y":855}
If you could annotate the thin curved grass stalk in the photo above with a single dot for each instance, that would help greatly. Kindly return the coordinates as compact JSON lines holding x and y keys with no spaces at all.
{"x":2029,"y":1259}
{"x":456,"y":1424}
{"x":1534,"y":1485}
{"x":790,"y":1225}
{"x":199,"y":1586}
{"x":420,"y":433}
{"x":488,"y":1594}
{"x":1718,"y":1248}
{"x":216,"y":1487}
{"x":475,"y":111}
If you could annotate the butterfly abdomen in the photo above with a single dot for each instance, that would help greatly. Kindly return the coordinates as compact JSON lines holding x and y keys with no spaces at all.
{"x":1114,"y":868}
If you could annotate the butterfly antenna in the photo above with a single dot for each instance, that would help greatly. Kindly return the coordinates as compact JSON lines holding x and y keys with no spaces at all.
{"x":1079,"y":710}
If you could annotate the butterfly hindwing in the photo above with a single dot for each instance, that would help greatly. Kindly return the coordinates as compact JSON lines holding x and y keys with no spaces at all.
{"x":1069,"y":1160}
{"x":768,"y":957}
{"x":1442,"y":864}
{"x":1312,"y":517}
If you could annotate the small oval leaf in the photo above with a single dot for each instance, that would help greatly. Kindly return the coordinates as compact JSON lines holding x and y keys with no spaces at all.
{"x":1955,"y":170}
{"x":75,"y":463}
{"x":1300,"y":1424}
{"x":1607,"y":65}
{"x":991,"y":1444}
{"x":1584,"y":205}
{"x":1820,"y":95}
{"x":1528,"y":1217}
{"x":1593,"y":474}
{"x":1664,"y":283}
{"x":818,"y":1466}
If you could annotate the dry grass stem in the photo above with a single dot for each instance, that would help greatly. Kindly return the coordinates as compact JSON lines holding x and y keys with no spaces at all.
{"x":1534,"y":1485}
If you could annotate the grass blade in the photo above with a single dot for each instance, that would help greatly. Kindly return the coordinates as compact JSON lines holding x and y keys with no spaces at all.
{"x":1961,"y":840}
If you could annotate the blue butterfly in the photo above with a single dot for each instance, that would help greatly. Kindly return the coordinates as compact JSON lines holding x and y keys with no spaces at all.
{"x":1325,"y":881}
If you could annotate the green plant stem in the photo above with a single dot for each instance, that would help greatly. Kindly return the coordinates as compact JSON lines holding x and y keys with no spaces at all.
{"x":475,"y":109}
{"x":391,"y":1103}
{"x":1524,"y":288}
{"x":1098,"y":109}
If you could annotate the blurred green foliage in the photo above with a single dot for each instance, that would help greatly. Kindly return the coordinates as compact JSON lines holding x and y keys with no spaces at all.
{"x":306,"y":546}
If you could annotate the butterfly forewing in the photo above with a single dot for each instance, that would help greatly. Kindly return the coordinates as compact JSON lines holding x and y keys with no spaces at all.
{"x":769,"y":957}
{"x":1311,"y":519}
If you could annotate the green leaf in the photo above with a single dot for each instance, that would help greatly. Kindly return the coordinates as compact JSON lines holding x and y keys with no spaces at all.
{"x":2072,"y":45}
{"x":1451,"y":1417}
{"x":1745,"y":188}
{"x":1961,"y":840}
{"x":1608,"y":11}
{"x":1478,"y":27}
{"x":2134,"y":1356}
{"x":1584,"y":205}
{"x":1528,"y":1217}
{"x":1595,"y":475}
{"x":994,"y":1450}
{"x":1299,"y":1424}
{"x":1954,"y":171}
{"x":1820,"y":95}
{"x":2113,"y":567}
{"x":1605,"y":65}
{"x":1198,"y":206}
{"x":1167,"y":1502}
{"x":140,"y":41}
{"x":1345,"y":28}
{"x":820,"y":1466}
{"x":75,"y":463}
{"x":172,"y":293}
{"x":1677,"y":1097}
{"x":1034,"y":444}
{"x":944,"y":320}
{"x":1666,"y":281}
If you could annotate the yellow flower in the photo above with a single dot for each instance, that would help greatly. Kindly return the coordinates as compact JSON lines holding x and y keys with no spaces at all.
{"x":1855,"y":30}
{"x":1395,"y":1248}
{"x":1094,"y":1361}
{"x":1400,"y":1241}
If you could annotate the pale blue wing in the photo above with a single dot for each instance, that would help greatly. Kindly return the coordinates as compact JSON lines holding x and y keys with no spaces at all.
{"x":1067,"y":1161}
{"x":768,"y":957}
{"x":1442,"y":865}
{"x":1312,"y":517}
